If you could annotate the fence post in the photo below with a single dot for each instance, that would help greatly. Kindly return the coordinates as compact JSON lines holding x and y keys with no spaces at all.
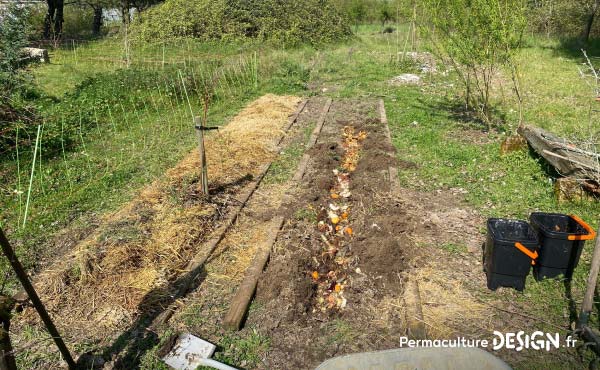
{"x":200,"y":128}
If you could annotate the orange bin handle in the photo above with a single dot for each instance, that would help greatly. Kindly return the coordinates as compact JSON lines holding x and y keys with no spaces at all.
{"x":533,"y":255}
{"x":590,"y":236}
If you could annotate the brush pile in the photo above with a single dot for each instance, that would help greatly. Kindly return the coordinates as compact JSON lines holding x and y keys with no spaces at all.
{"x":285,"y":22}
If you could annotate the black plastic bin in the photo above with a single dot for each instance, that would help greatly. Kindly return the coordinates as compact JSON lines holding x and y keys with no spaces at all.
{"x":510,"y":247}
{"x":561,"y":241}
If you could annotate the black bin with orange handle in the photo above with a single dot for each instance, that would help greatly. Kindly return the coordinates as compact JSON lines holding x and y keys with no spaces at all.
{"x":561,"y":241}
{"x":510,"y":250}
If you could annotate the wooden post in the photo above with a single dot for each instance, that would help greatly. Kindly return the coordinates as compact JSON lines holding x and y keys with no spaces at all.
{"x":234,"y":317}
{"x":588,"y":298}
{"x":200,"y":128}
{"x":35,"y":299}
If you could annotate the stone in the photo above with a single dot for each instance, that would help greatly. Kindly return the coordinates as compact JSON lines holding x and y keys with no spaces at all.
{"x":406,"y":79}
{"x":35,"y":54}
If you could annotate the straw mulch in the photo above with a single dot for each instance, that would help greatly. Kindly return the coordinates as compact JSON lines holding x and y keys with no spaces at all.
{"x":126,"y":266}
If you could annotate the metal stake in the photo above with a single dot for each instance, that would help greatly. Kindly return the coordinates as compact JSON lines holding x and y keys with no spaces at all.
{"x":37,"y":303}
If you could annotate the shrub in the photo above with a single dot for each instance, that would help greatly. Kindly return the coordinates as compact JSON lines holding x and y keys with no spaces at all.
{"x":477,"y":37}
{"x":286,"y":22}
{"x":14,"y":83}
{"x":12,"y":40}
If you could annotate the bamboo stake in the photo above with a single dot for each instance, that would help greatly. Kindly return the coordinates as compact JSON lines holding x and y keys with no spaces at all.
{"x":35,"y":299}
{"x":31,"y":177}
{"x":19,"y":177}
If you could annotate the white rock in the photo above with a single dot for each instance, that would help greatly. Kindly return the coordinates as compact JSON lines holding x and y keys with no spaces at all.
{"x":36,"y":54}
{"x":406,"y":79}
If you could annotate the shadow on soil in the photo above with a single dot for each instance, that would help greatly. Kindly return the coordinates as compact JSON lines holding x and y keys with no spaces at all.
{"x":129,"y":348}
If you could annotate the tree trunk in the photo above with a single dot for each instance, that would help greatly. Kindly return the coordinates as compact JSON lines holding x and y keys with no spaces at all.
{"x":49,"y":19}
{"x":590,"y":21}
{"x":97,"y":21}
{"x":125,"y":6}
{"x":58,"y":19}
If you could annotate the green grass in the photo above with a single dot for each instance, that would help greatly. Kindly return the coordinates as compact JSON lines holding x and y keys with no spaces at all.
{"x":71,"y":64}
{"x":122,"y":130}
{"x":282,"y":169}
{"x":340,"y":331}
{"x":454,"y":248}
{"x":243,"y":350}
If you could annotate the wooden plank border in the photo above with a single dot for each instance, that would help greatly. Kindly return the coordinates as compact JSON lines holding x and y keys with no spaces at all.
{"x":239,"y":305}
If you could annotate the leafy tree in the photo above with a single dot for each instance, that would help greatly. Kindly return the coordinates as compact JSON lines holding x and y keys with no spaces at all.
{"x":477,"y":37}
{"x":12,"y":39}
{"x":358,"y":11}
{"x":592,"y":10}
{"x":565,"y":17}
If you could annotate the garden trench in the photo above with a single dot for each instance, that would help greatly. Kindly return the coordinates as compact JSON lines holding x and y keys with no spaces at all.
{"x":319,"y":276}
{"x":352,"y":243}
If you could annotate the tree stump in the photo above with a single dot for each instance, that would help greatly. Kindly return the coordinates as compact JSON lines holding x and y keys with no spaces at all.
{"x":513,"y":143}
{"x":568,"y":189}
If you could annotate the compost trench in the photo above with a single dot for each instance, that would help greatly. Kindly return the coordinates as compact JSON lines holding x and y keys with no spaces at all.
{"x":320,"y":279}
